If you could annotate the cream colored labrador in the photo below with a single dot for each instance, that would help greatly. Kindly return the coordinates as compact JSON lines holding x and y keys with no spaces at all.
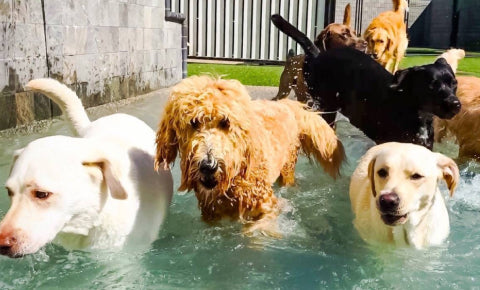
{"x":94,"y":192}
{"x":395,"y":196}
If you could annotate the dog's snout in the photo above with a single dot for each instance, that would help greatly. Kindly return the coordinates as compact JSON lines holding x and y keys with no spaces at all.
{"x":208,"y":166}
{"x":389,"y":202}
{"x":6,"y":245}
{"x":456,"y":104}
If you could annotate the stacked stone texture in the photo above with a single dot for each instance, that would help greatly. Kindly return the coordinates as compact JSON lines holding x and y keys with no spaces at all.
{"x":106,"y":50}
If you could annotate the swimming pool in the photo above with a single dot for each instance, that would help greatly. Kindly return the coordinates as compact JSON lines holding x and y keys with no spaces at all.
{"x":320,"y":247}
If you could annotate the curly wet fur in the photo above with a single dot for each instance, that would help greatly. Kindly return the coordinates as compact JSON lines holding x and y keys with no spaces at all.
{"x":253,"y":142}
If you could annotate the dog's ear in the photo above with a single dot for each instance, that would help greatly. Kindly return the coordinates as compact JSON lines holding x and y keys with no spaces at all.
{"x":371,"y":176}
{"x":112,"y":164}
{"x":320,"y":40}
{"x":166,"y":142}
{"x":389,"y":44}
{"x":347,"y":15}
{"x":448,"y":171}
{"x":16,"y":154}
{"x":398,"y":79}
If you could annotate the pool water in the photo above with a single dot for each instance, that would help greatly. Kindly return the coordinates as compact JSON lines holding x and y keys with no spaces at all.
{"x":319,"y":248}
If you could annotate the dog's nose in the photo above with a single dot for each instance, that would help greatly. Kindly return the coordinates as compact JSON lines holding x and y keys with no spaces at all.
{"x":374,"y":55}
{"x":208,"y":166}
{"x":457,"y":105}
{"x":6,"y":244}
{"x":389,"y":202}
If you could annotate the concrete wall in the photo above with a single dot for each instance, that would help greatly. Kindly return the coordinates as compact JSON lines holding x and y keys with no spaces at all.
{"x":106,"y":50}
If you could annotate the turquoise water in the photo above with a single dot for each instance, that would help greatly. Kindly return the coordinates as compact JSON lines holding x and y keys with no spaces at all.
{"x":319,"y":249}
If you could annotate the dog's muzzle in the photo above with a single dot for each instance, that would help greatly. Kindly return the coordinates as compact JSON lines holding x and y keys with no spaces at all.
{"x":208,"y":167}
{"x":388,"y":205}
{"x":453,"y":108}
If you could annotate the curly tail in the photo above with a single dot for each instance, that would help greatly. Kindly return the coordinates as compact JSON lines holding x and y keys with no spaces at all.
{"x":318,"y":138}
{"x":65,"y":98}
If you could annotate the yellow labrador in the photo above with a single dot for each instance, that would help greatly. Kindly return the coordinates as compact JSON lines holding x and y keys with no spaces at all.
{"x":99,"y":191}
{"x":395,"y":196}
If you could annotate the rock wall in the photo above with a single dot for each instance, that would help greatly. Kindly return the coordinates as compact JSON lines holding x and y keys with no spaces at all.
{"x":106,"y":50}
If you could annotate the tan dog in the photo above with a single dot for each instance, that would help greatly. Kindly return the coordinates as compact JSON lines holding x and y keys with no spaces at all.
{"x":465,"y":125}
{"x":233,"y":149}
{"x":386,"y":36}
{"x":395,"y":197}
{"x":335,"y":35}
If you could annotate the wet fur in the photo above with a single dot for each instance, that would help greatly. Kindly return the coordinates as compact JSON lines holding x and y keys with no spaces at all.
{"x":426,"y":220}
{"x":333,"y":36}
{"x":260,"y":145}
{"x":385,"y":107}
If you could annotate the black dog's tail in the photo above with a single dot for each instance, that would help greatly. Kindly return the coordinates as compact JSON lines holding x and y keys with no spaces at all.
{"x":287,"y":28}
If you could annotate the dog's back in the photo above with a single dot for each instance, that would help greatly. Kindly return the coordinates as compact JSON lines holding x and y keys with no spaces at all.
{"x":121,"y":128}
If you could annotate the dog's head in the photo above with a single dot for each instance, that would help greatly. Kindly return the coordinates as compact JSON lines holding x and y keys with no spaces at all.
{"x":378,"y":42}
{"x":208,"y":122}
{"x":431,"y":88}
{"x":404,"y":181}
{"x":57,"y":184}
{"x":337,"y":35}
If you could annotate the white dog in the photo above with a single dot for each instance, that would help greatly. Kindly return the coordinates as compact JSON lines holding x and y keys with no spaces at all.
{"x":95,"y":192}
{"x":395,"y":196}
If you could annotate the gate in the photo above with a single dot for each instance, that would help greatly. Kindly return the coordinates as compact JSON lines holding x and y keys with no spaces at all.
{"x":241,"y":29}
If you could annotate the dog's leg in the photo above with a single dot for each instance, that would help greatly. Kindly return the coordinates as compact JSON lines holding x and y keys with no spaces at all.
{"x":287,"y":174}
{"x":286,"y":82}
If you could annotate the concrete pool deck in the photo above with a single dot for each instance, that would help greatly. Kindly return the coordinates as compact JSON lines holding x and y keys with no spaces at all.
{"x":256,"y":92}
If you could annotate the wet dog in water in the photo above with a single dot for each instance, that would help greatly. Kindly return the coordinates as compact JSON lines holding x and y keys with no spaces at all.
{"x":395,"y":196}
{"x":385,"y":107}
{"x":99,"y":191}
{"x":333,"y":36}
{"x":233,"y":149}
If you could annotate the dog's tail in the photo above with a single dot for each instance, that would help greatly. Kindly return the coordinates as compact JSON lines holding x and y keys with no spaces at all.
{"x":400,"y":6}
{"x":287,"y":28}
{"x":65,"y":98}
{"x":452,"y":56}
{"x":318,"y":138}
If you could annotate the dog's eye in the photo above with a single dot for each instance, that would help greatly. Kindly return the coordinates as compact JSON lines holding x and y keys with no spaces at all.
{"x":224,"y":123}
{"x":41,"y":194}
{"x":382,"y":173}
{"x":9,"y":192}
{"x":195,"y":124}
{"x":416,"y":176}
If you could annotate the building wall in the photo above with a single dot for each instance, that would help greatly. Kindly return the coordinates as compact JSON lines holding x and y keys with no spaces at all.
{"x":106,"y":50}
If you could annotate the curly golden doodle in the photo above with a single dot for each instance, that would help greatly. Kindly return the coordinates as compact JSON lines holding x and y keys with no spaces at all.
{"x":333,"y":36}
{"x":233,"y":149}
{"x":464,"y":126}
{"x":395,"y":196}
{"x":386,"y":36}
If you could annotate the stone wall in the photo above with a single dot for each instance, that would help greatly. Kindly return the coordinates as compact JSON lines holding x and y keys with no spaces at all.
{"x":106,"y":50}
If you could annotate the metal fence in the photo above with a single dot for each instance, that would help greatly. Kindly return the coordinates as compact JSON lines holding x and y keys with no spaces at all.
{"x":241,"y":29}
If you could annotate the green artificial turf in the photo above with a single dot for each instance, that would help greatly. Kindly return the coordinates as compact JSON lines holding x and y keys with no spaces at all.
{"x":269,"y":75}
{"x":252,"y":75}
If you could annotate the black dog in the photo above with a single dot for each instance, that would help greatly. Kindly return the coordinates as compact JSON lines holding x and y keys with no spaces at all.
{"x":385,"y":107}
